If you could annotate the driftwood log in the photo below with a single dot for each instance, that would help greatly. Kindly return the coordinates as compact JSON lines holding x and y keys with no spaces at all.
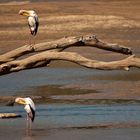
{"x":44,"y":53}
{"x":9,"y":115}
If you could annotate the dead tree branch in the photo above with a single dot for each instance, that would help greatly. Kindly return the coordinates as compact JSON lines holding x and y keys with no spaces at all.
{"x":50,"y":51}
{"x":40,"y":60}
{"x":61,"y":44}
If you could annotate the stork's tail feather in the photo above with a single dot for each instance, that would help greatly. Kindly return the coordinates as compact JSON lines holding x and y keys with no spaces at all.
{"x":33,"y":33}
{"x":32,"y":114}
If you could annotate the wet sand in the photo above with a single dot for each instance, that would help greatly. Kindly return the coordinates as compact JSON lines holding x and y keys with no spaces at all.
{"x":70,"y":134}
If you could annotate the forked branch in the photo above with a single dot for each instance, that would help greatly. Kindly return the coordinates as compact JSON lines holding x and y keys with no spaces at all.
{"x":50,"y":51}
{"x":61,"y":44}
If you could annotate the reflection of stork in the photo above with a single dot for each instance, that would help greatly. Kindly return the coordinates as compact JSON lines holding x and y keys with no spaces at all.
{"x":33,"y":21}
{"x":29,"y":108}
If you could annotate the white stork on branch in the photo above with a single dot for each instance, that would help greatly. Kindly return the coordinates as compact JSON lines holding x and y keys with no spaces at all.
{"x":33,"y":21}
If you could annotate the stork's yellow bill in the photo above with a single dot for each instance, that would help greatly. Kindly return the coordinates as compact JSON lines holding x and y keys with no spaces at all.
{"x":20,"y":101}
{"x":24,"y":12}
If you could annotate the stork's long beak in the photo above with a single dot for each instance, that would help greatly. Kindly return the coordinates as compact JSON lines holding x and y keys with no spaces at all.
{"x":20,"y":101}
{"x":24,"y":12}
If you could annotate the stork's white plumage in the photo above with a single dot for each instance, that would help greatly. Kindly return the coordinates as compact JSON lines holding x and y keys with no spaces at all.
{"x":33,"y":21}
{"x":29,"y":108}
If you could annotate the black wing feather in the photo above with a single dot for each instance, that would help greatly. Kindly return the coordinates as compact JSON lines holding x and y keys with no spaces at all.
{"x":32,"y":114}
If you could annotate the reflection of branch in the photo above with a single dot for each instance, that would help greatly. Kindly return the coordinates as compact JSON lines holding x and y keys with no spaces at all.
{"x":61,"y":44}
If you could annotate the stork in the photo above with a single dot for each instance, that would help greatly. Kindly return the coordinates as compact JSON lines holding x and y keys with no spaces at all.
{"x":29,"y":108}
{"x":33,"y":22}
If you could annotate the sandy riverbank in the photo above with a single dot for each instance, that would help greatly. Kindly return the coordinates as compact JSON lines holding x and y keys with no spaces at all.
{"x":114,"y":22}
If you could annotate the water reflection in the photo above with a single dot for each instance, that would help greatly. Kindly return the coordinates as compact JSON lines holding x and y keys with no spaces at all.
{"x":29,"y":135}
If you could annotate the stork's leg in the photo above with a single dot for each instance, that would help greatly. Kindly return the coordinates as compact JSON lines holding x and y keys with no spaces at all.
{"x":34,"y":40}
{"x":30,"y":124}
{"x":30,"y":39}
{"x":27,"y":121}
{"x":30,"y":43}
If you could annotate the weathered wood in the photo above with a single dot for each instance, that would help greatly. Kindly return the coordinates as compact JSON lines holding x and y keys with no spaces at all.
{"x":40,"y":59}
{"x":61,"y":44}
{"x":50,"y":51}
{"x":9,"y":115}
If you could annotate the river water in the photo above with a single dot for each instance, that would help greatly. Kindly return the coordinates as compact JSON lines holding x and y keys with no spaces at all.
{"x":59,"y":117}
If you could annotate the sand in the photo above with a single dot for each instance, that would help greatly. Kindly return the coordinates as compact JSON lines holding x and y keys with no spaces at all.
{"x":112,"y":21}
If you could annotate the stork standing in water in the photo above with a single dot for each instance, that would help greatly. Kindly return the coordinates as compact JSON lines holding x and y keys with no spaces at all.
{"x":29,"y":108}
{"x":33,"y":22}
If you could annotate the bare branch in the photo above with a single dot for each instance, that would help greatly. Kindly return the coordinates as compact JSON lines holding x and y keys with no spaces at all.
{"x":61,"y":44}
{"x":50,"y":51}
{"x":41,"y":59}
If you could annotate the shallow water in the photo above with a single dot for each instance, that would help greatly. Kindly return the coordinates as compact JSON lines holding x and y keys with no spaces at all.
{"x":26,"y":80}
{"x":55,"y":121}
{"x":78,"y":119}
{"x":75,"y":116}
